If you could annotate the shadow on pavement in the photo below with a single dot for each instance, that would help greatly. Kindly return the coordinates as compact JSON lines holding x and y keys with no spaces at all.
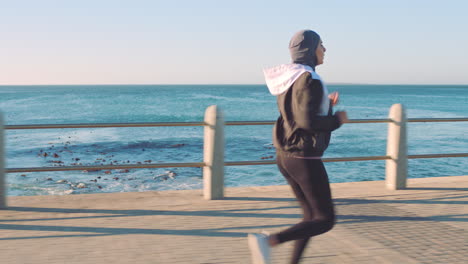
{"x":349,"y":211}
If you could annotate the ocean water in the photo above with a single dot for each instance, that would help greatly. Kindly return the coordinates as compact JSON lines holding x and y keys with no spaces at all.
{"x":174,"y":103}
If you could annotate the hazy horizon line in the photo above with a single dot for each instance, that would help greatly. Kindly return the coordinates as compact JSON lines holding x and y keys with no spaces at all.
{"x":234,"y":84}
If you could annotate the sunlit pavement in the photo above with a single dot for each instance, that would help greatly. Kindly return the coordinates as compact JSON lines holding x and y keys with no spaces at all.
{"x":426,"y":223}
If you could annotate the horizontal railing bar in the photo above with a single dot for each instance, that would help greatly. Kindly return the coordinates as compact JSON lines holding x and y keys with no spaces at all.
{"x":427,"y":156}
{"x":361,"y":121}
{"x":109,"y":167}
{"x":248,"y":123}
{"x":356,"y":158}
{"x":101,"y":125}
{"x":249,"y":162}
{"x":229,"y":163}
{"x":240,"y":123}
{"x":413,"y":120}
{"x":366,"y":158}
{"x":269,"y":162}
{"x":437,"y":119}
{"x":228,"y":123}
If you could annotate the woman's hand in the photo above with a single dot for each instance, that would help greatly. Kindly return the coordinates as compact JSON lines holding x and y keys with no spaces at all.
{"x":342,"y":116}
{"x":334,"y":98}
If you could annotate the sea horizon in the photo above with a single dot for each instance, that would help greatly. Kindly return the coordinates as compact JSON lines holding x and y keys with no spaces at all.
{"x":228,"y":84}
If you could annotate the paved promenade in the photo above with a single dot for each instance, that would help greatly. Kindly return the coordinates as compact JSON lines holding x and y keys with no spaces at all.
{"x":426,"y":223}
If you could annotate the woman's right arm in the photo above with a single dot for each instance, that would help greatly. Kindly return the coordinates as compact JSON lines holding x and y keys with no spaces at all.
{"x":307,"y":102}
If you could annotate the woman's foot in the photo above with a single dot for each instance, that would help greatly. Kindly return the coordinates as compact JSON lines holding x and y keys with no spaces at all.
{"x":272,"y":239}
{"x":259,"y":248}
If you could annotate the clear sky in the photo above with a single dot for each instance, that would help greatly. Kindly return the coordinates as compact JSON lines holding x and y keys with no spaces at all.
{"x":229,"y":42}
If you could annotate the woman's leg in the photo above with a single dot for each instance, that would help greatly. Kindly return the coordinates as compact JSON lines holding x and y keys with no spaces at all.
{"x":300,"y":244}
{"x":309,"y":182}
{"x":312,"y":179}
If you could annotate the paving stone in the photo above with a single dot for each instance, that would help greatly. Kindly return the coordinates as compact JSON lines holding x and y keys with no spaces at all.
{"x":426,"y":223}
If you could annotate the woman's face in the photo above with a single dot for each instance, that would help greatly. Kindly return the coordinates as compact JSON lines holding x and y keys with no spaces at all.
{"x":320,"y":52}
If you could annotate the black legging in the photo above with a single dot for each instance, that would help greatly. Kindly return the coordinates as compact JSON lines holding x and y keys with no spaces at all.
{"x":309,"y":182}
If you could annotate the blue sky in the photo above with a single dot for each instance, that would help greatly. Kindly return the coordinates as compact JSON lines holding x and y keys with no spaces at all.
{"x":229,"y":42}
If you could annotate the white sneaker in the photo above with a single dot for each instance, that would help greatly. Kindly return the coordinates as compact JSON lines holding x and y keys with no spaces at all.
{"x":259,"y":248}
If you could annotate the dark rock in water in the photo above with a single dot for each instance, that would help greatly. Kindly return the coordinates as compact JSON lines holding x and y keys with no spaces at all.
{"x":50,"y":179}
{"x":56,"y":155}
{"x":148,"y":161}
{"x":94,"y":180}
{"x":116,"y":178}
{"x":99,"y":186}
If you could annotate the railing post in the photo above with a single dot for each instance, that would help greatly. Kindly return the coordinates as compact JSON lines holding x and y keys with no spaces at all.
{"x":396,"y":168}
{"x":213,"y":154}
{"x":3,"y":203}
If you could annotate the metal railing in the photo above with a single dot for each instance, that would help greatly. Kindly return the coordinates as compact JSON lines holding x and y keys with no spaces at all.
{"x":213,"y":163}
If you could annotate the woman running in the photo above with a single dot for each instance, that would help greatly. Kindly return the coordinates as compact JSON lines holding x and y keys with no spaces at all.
{"x":301,"y":135}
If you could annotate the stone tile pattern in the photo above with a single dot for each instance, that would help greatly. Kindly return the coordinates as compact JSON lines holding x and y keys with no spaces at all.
{"x":426,"y":223}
